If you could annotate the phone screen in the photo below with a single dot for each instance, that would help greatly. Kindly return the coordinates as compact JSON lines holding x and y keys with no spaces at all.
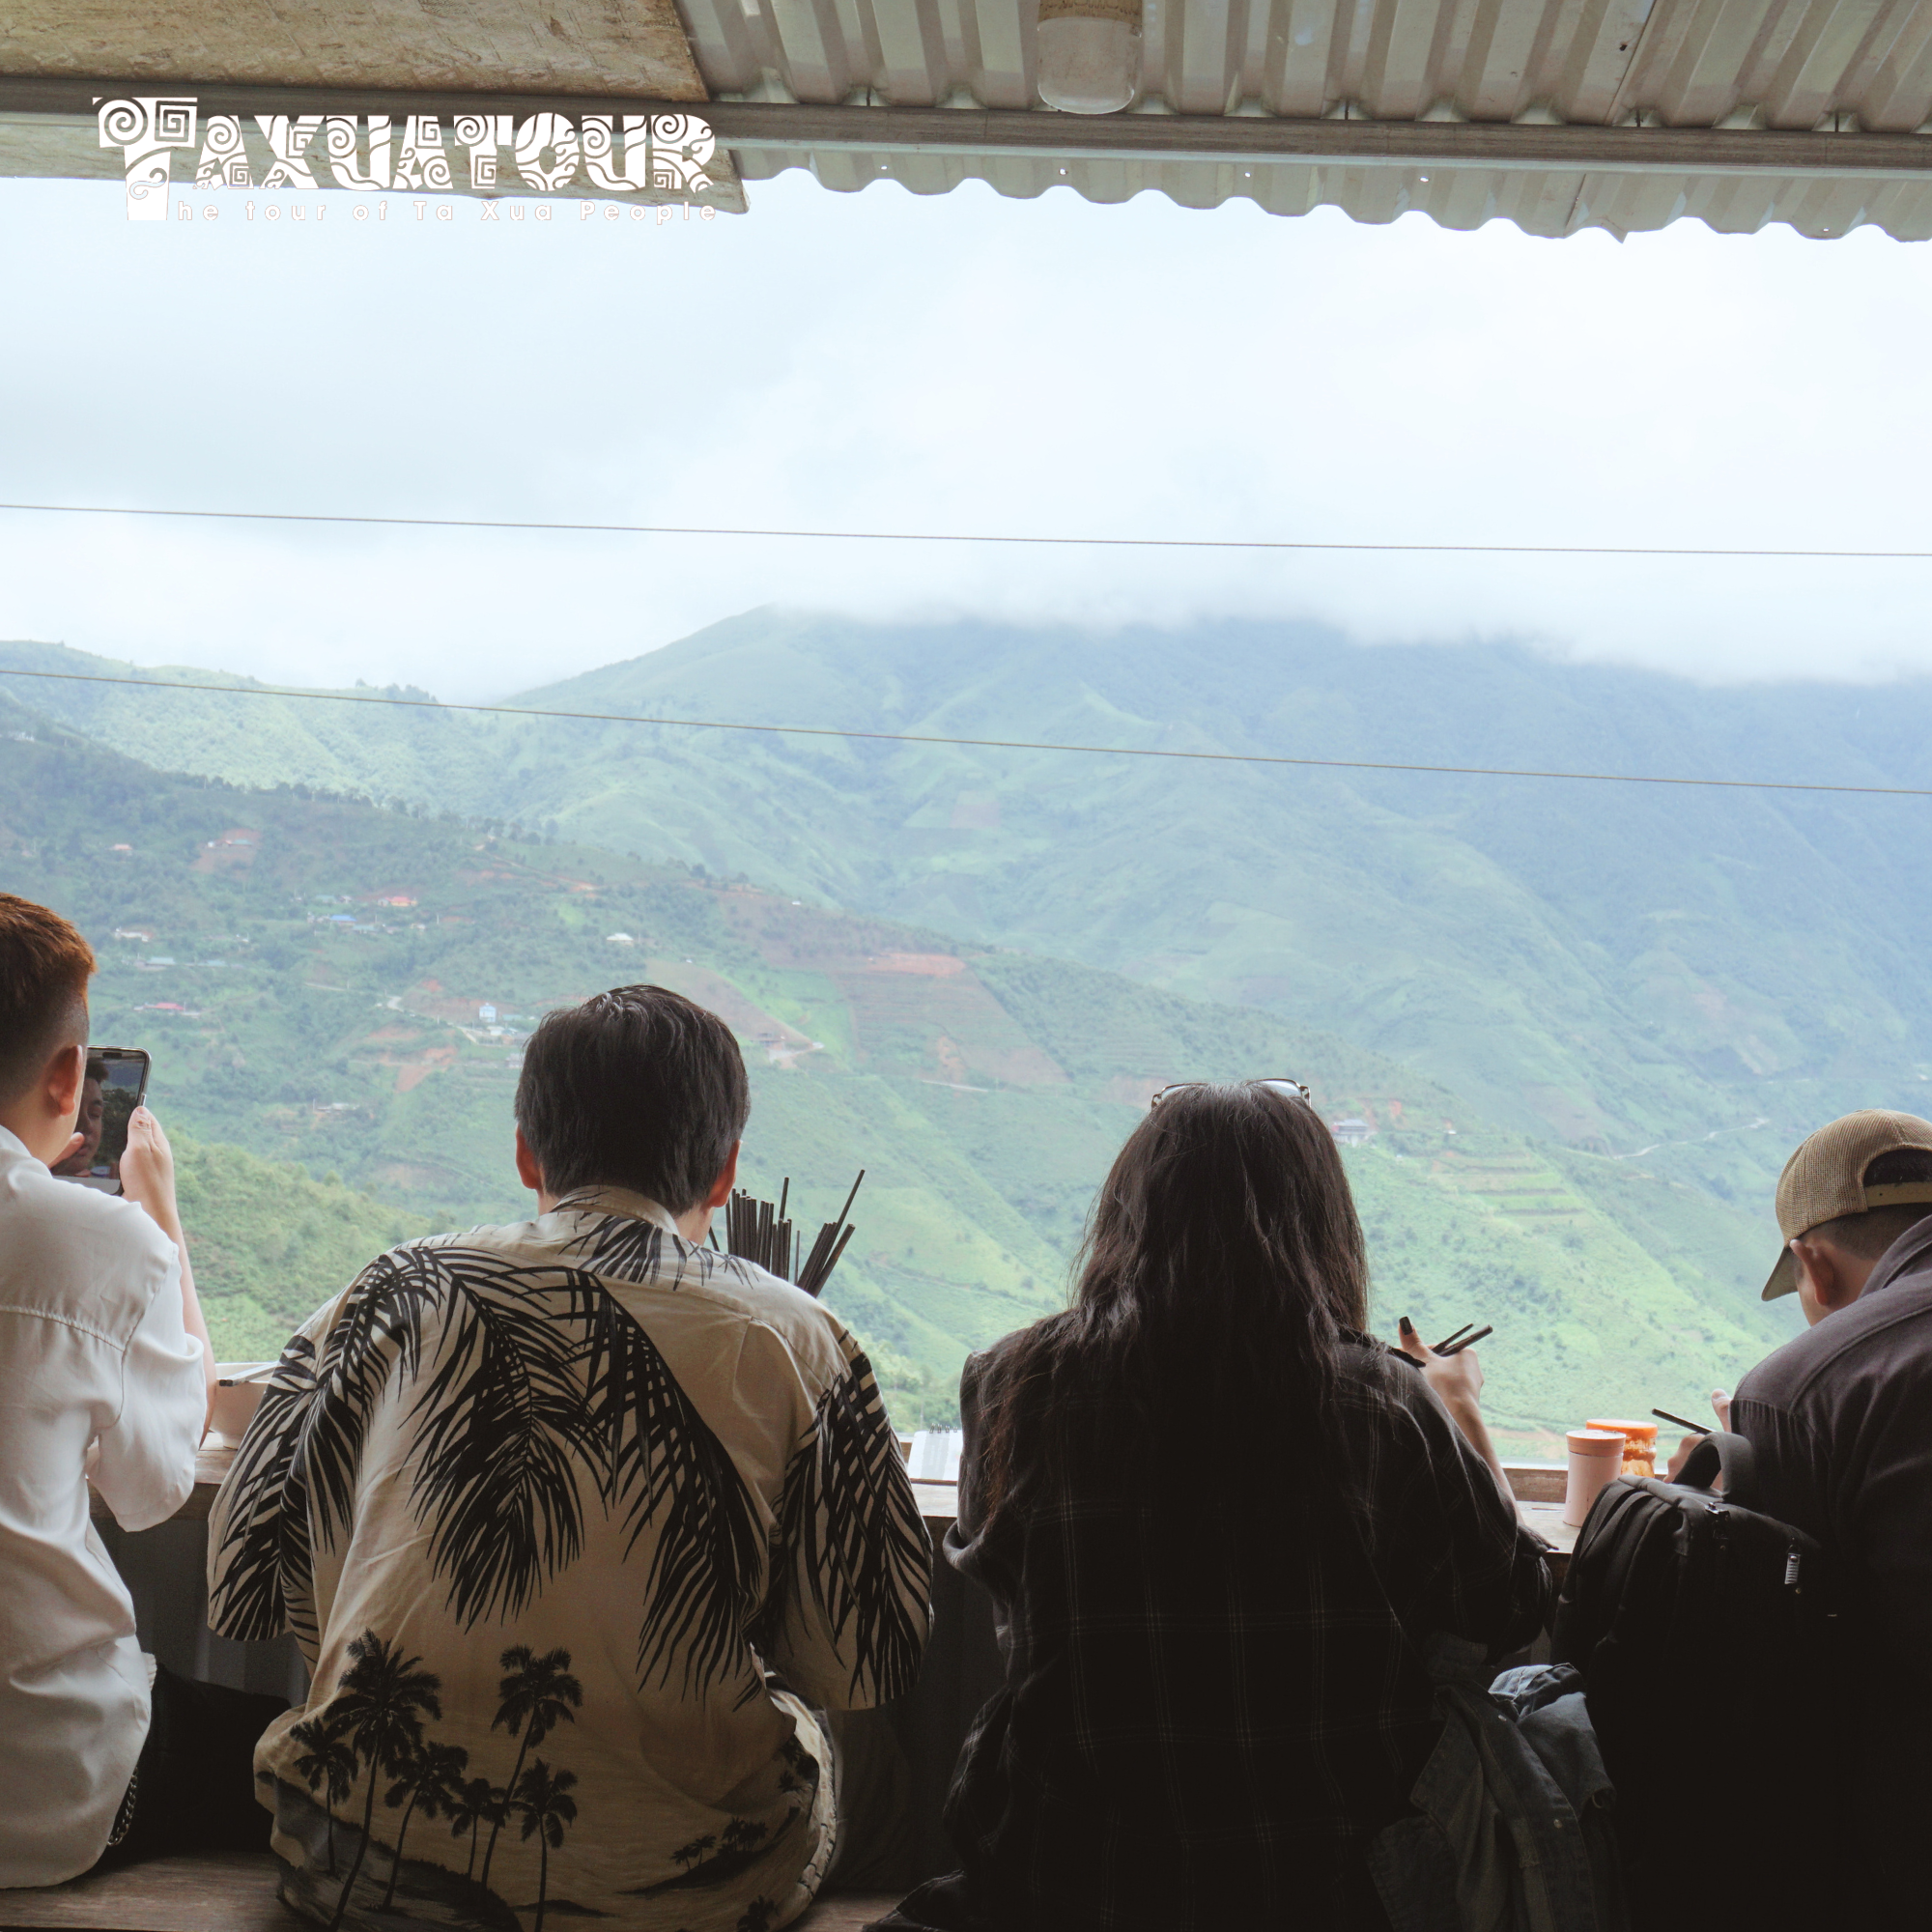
{"x":116,"y":1082}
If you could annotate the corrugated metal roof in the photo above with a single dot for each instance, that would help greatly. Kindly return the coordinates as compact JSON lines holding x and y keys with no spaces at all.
{"x":1540,"y":201}
{"x":1555,"y":114}
{"x":1837,"y":65}
{"x":1689,"y":63}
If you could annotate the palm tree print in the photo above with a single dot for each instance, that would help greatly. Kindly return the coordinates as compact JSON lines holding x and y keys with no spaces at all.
{"x":742,"y":1844}
{"x":476,"y":1803}
{"x":431,"y":1781}
{"x":379,"y":1707}
{"x":542,"y":1797}
{"x":327,"y":1762}
{"x":376,"y":1720}
{"x":800,"y":1775}
{"x":538,"y":1694}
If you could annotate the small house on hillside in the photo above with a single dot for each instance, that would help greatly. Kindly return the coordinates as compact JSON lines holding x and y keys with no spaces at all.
{"x":1351,"y":1132}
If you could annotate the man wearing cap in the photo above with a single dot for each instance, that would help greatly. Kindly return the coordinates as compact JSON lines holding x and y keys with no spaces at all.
{"x":1841,"y":1421}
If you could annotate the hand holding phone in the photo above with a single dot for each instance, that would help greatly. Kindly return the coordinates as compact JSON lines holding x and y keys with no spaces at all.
{"x":148,"y":1170}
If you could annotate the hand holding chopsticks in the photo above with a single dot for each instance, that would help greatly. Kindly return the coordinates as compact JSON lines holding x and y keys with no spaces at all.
{"x":1458,"y":1385}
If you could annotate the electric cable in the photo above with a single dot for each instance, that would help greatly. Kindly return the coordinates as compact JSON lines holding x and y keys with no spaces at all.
{"x":983,"y":536}
{"x":978,"y":744}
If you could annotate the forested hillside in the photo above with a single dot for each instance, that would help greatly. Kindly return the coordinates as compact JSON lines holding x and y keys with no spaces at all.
{"x":344,"y":987}
{"x":1604,"y":967}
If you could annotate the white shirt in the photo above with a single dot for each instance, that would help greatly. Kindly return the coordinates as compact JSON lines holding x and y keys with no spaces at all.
{"x":91,"y":1349}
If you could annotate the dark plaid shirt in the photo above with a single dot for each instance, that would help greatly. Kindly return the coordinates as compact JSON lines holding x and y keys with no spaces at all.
{"x":1215,"y":1697}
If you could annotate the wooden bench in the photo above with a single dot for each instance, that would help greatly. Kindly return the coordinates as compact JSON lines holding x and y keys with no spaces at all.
{"x":234,"y":1892}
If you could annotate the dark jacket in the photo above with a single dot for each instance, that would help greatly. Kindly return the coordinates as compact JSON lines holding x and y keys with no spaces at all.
{"x":1216,"y":1694}
{"x":1841,"y":1420}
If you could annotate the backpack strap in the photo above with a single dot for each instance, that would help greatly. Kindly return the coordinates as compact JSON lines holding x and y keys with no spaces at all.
{"x":1734,"y":1456}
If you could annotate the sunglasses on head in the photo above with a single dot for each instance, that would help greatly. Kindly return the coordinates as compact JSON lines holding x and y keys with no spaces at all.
{"x":1294,"y":1089}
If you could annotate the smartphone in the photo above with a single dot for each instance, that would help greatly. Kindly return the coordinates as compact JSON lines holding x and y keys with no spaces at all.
{"x":116,"y":1082}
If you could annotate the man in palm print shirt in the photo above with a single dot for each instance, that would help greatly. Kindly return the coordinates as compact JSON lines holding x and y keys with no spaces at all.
{"x":581,"y":1526}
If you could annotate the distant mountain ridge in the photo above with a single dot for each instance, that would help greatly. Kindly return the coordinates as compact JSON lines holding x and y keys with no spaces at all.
{"x":1608,"y":965}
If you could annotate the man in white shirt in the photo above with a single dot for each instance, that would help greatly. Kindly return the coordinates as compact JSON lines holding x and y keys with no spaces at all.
{"x":105,"y":1371}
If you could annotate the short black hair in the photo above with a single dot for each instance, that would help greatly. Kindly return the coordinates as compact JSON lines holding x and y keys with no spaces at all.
{"x":1867,"y":1236}
{"x":45,"y":966}
{"x":638,"y":1087}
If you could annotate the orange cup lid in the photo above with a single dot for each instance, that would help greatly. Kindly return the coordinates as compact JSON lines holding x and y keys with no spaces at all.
{"x":1596,"y":1441}
{"x":1637,"y":1431}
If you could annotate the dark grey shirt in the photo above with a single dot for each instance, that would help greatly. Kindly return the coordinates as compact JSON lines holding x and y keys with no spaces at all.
{"x":1841,"y":1420}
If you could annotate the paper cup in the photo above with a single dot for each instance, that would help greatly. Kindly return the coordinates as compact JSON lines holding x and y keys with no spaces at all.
{"x":1596,"y":1460}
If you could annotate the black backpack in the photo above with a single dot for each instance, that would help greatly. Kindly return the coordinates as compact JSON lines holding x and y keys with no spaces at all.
{"x":1705,"y":1632}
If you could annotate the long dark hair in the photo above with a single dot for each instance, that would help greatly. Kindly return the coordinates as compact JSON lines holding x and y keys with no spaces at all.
{"x":1222,"y":1260}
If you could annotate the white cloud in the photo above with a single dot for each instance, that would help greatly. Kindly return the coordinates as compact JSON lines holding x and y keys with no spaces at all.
{"x":952,"y":363}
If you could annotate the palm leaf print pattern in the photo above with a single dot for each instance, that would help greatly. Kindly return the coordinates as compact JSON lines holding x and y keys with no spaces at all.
{"x":860,"y":1545}
{"x":522,"y":1383}
{"x":705,"y":1574}
{"x":301,"y":1454}
{"x":503,"y":1427}
{"x":627,"y":1249}
{"x":268,"y":1587}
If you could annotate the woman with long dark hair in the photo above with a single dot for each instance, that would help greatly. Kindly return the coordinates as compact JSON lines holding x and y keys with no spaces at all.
{"x":1218,"y":1523}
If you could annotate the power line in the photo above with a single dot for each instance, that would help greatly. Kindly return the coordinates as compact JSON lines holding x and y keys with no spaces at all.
{"x":981,"y":536}
{"x":977,"y":744}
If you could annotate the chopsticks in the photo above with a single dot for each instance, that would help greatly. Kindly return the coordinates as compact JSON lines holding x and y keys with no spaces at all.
{"x":828,"y":1246}
{"x":260,"y":1375}
{"x":757,"y":1231}
{"x":1452,"y":1343}
{"x":1681,"y":1421}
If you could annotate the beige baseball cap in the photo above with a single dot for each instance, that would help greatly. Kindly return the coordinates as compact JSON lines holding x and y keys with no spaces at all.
{"x":1825,"y":1178}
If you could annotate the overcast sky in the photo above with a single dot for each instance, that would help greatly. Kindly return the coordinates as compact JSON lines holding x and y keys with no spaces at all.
{"x":883,"y":361}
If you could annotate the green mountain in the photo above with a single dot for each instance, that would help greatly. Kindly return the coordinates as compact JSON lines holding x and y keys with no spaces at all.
{"x":340,"y":990}
{"x":1696,"y":975}
{"x":270,"y":1243}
